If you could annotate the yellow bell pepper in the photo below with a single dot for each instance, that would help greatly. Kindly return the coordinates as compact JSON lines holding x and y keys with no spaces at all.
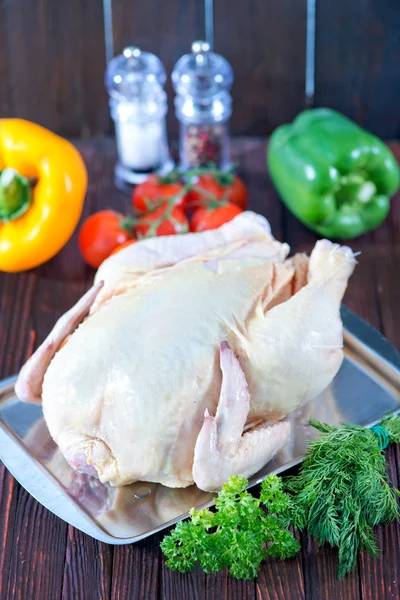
{"x":43,"y":183}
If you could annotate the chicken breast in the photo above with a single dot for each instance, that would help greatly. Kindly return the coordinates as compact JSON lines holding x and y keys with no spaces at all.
{"x":186,"y":327}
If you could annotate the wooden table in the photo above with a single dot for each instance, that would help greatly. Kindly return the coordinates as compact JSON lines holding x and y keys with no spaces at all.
{"x":42,"y":557}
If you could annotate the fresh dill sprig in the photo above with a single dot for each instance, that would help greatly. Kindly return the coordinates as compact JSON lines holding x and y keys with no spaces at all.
{"x":392,"y":426}
{"x":241,"y":532}
{"x":342,"y":490}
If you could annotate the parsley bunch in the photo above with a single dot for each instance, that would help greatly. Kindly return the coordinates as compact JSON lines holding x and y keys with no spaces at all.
{"x":241,"y":532}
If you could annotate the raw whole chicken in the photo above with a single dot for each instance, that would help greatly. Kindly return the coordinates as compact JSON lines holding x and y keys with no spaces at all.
{"x":194,"y":349}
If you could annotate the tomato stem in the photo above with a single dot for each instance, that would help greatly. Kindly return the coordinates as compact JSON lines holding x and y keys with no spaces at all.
{"x":170,"y":203}
{"x":208,"y":199}
{"x":171,"y":177}
{"x":223,"y":178}
{"x":127,"y":224}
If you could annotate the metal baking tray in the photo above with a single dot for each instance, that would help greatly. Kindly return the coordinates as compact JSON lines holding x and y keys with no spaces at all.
{"x":366,"y":388}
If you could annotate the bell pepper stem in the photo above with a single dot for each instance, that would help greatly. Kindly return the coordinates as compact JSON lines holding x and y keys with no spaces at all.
{"x":15,"y":195}
{"x":354,"y":187}
{"x":366,"y":192}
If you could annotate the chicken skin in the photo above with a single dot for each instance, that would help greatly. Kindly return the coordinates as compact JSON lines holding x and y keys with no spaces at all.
{"x":194,"y":350}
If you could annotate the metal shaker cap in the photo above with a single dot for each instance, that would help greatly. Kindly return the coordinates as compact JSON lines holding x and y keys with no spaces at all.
{"x":134,"y":73}
{"x":202,"y":72}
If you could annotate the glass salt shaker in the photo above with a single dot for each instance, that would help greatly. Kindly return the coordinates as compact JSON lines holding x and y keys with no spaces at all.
{"x":203,"y":105}
{"x":138,"y":105}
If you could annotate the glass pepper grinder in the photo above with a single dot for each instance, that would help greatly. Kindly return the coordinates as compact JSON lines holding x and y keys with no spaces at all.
{"x":138,"y":105}
{"x":203,"y":105}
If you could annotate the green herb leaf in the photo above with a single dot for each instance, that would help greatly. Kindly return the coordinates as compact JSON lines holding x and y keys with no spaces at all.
{"x":239,"y":534}
{"x":342,"y":490}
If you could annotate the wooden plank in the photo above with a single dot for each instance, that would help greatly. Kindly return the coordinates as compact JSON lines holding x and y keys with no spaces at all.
{"x":265,"y":43}
{"x":262,"y":196}
{"x":167,"y":31}
{"x":8,"y":505}
{"x":136,"y":568}
{"x":100,"y":158}
{"x":87,"y":571}
{"x":222,"y":586}
{"x":320,"y":574}
{"x":297,"y":235}
{"x":279,"y":579}
{"x":361,"y":294}
{"x":16,"y":302}
{"x":190,"y":585}
{"x":387,"y":256}
{"x":387,"y":236}
{"x":4,"y":65}
{"x":379,"y":578}
{"x":357,"y":58}
{"x":56,"y":59}
{"x":37,"y":559}
{"x":388,"y":292}
{"x":15,"y":306}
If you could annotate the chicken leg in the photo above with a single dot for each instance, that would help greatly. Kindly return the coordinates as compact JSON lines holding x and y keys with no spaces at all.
{"x":292,"y":353}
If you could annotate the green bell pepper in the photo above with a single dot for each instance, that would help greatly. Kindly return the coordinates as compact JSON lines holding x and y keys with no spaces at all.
{"x":334,"y":176}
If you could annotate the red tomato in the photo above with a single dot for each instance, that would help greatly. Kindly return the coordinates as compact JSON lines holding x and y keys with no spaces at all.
{"x":99,"y":235}
{"x":122,"y":246}
{"x":165,"y":220}
{"x":147,"y":195}
{"x":211,"y":218}
{"x":208,"y":187}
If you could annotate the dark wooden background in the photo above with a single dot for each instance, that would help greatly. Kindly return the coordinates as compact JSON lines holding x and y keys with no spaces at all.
{"x":52,"y":62}
{"x":53,"y":57}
